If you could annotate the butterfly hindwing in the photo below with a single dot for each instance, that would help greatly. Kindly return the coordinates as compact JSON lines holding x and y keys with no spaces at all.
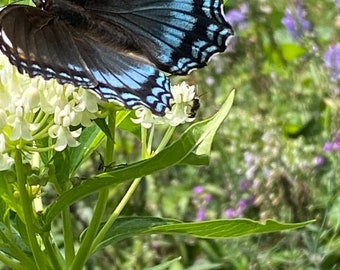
{"x":39,"y":43}
{"x":126,"y":79}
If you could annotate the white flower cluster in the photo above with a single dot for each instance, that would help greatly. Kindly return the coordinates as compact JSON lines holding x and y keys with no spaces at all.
{"x":32,"y":109}
{"x":180,"y":113}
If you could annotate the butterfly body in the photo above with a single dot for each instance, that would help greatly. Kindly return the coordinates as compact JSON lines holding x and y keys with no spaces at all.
{"x":115,"y":48}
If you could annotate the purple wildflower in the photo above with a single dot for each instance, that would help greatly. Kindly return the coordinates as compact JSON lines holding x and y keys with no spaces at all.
{"x":318,"y":161}
{"x":198,"y":190}
{"x":237,"y":17}
{"x":230,"y":213}
{"x":295,"y":20}
{"x":327,"y":147}
{"x":206,"y":199}
{"x":242,"y":206}
{"x":332,"y":61}
{"x":334,"y":144}
{"x":200,"y":200}
{"x":245,"y":185}
{"x":337,"y":3}
{"x":200,"y":215}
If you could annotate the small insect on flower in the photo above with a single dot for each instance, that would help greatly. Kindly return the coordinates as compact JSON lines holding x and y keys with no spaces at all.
{"x":195,"y":106}
{"x":183,"y":98}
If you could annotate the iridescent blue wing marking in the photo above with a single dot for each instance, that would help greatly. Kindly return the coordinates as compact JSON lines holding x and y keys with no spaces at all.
{"x":184,"y":33}
{"x":39,"y":44}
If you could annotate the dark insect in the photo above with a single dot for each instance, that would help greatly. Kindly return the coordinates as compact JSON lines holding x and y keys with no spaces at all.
{"x":116,"y":48}
{"x":195,"y":106}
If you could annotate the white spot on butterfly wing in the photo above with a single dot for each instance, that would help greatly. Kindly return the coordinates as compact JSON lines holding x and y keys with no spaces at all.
{"x":5,"y":39}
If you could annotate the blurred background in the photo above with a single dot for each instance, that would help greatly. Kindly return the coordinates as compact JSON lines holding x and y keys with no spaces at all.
{"x":276,"y":156}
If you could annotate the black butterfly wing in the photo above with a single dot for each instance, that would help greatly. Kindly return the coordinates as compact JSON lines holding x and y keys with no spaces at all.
{"x":39,"y":47}
{"x":184,"y":33}
{"x":39,"y":43}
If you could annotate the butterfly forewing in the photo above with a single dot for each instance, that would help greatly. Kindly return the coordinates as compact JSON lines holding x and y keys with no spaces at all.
{"x":39,"y":45}
{"x":185,"y":33}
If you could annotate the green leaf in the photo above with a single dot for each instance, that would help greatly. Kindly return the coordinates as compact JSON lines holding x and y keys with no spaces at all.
{"x":130,"y":126}
{"x":202,"y":265}
{"x":193,"y":159}
{"x":127,"y":227}
{"x":334,"y":215}
{"x":196,"y":138}
{"x":3,"y":208}
{"x":61,"y":162}
{"x":292,"y":51}
{"x":101,"y":123}
{"x":164,"y":265}
{"x":201,"y":153}
{"x":14,"y":237}
{"x":89,"y":140}
{"x":222,"y":229}
{"x":297,"y":126}
{"x":8,"y":196}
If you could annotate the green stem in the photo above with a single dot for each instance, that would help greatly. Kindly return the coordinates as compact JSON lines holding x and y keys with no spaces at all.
{"x":85,"y":249}
{"x":115,"y":214}
{"x":113,"y":217}
{"x":68,"y":236}
{"x":166,"y":138}
{"x":53,"y":252}
{"x":152,"y":132}
{"x":146,"y":147}
{"x":42,"y":133}
{"x":28,"y":214}
{"x":38,"y":150}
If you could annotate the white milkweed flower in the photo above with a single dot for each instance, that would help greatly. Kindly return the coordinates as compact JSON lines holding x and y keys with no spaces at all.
{"x":146,"y":118}
{"x":60,"y":130}
{"x":34,"y":108}
{"x":183,"y":95}
{"x":180,"y":113}
{"x":5,"y":160}
{"x":20,"y":127}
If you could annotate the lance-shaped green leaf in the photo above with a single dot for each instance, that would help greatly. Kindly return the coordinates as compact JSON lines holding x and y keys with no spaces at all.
{"x":222,"y":229}
{"x":164,"y":265}
{"x":127,"y":227}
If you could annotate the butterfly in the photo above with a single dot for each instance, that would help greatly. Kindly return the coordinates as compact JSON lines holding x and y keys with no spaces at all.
{"x":119,"y":49}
